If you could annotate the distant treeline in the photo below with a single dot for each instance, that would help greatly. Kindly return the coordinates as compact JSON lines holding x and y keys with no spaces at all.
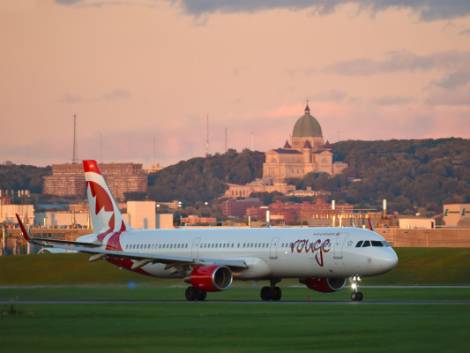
{"x":413,"y":175}
{"x":22,"y":177}
{"x":203,"y":179}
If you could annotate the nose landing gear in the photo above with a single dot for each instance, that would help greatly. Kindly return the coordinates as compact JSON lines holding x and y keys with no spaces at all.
{"x":356,"y":295}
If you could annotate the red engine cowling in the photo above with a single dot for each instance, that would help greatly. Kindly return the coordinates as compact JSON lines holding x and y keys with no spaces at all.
{"x":212,"y":278}
{"x":324,"y":285}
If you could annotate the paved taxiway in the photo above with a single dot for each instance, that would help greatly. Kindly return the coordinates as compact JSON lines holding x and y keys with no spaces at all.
{"x":329,"y":302}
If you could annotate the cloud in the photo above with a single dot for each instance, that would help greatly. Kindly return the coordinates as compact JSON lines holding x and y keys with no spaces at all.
{"x":449,"y":97}
{"x":427,"y":10}
{"x":111,"y":96}
{"x":99,"y":3}
{"x":400,"y":61}
{"x":454,"y":79}
{"x":393,"y":100}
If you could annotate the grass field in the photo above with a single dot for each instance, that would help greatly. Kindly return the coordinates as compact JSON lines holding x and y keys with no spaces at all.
{"x":234,"y":326}
{"x":423,"y":266}
{"x":156,"y":318}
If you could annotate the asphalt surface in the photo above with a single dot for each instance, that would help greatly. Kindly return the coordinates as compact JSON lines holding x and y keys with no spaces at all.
{"x":329,"y":302}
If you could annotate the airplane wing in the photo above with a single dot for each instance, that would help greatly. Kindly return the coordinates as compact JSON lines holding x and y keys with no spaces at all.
{"x":141,"y":259}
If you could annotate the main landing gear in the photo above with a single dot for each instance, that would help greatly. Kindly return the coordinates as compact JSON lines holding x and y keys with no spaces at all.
{"x":356,"y":295}
{"x":272,"y":292}
{"x":195,"y":294}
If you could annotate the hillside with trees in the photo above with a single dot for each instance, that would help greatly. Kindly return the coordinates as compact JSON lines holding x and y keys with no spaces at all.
{"x":22,"y":177}
{"x":203,"y":179}
{"x":413,"y":175}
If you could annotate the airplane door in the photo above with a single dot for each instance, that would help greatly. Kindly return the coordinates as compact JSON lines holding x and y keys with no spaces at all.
{"x":273,"y":248}
{"x":338,"y":243}
{"x":195,"y":248}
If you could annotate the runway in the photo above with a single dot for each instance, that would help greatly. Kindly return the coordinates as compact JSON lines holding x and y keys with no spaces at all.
{"x":249,"y":302}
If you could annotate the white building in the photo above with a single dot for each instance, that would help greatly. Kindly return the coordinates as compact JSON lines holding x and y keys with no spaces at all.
{"x":8,"y":213}
{"x":63,"y":219}
{"x":141,"y":214}
{"x":416,"y":223}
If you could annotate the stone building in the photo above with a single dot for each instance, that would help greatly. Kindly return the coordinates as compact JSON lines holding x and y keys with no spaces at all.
{"x":307,"y":152}
{"x":68,"y":179}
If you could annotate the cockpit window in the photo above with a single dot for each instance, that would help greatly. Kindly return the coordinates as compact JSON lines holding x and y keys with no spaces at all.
{"x":384,"y":243}
{"x":366,"y":244}
{"x":359,"y":244}
{"x":376,"y":243}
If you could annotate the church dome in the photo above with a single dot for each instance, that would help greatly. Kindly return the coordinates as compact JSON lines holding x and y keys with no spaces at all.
{"x":307,"y":126}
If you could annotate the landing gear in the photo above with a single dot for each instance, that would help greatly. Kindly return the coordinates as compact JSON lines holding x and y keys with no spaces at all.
{"x":273,"y":292}
{"x":356,"y":295}
{"x":195,"y":294}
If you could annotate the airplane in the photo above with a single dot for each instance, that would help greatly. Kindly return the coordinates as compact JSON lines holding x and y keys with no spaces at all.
{"x":209,"y":259}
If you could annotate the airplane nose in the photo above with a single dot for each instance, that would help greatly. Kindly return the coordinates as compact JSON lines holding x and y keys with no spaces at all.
{"x":390,"y":260}
{"x":385,"y":262}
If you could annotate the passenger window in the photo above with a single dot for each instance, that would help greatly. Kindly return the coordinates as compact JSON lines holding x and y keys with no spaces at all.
{"x":366,"y":244}
{"x":359,"y":244}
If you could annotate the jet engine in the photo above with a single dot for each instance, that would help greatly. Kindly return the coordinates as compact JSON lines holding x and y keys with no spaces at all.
{"x":324,"y":285}
{"x":211,"y":278}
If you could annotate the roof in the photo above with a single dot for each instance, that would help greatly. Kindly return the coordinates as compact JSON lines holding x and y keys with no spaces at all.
{"x":286,"y":151}
{"x":307,"y":126}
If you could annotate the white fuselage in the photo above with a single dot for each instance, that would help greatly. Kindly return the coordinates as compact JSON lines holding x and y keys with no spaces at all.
{"x":268,"y":252}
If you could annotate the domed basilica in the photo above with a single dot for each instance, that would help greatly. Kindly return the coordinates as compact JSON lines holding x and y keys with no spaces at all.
{"x":306,"y":153}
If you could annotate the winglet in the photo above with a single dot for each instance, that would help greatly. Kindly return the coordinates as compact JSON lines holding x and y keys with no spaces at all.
{"x":23,"y":229}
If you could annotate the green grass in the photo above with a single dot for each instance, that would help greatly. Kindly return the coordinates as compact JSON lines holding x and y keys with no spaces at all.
{"x":230,"y":328}
{"x":239,"y":294}
{"x":423,"y":266}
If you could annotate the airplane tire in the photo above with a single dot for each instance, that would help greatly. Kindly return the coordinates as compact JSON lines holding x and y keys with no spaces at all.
{"x":202,"y":295}
{"x":191,"y":294}
{"x":266,"y":293}
{"x":276,"y":293}
{"x":357,"y":296}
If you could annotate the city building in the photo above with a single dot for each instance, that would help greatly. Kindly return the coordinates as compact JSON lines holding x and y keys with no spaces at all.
{"x":142,"y":214}
{"x":410,"y":222}
{"x":307,"y":152}
{"x":259,"y":185}
{"x":193,"y":220}
{"x":237,"y":208}
{"x":8,"y":213}
{"x":457,"y":215}
{"x":68,"y":180}
{"x":165,"y":220}
{"x":62,"y":219}
{"x":318,"y":213}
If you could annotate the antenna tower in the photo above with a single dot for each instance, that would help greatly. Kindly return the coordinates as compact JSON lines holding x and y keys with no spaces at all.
{"x":74,"y":152}
{"x":207,"y":135}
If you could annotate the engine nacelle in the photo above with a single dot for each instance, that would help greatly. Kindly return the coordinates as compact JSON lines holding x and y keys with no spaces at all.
{"x":212,"y":278}
{"x":324,"y":285}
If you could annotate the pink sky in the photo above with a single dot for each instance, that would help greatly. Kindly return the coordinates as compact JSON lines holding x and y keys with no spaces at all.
{"x":137,"y":70}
